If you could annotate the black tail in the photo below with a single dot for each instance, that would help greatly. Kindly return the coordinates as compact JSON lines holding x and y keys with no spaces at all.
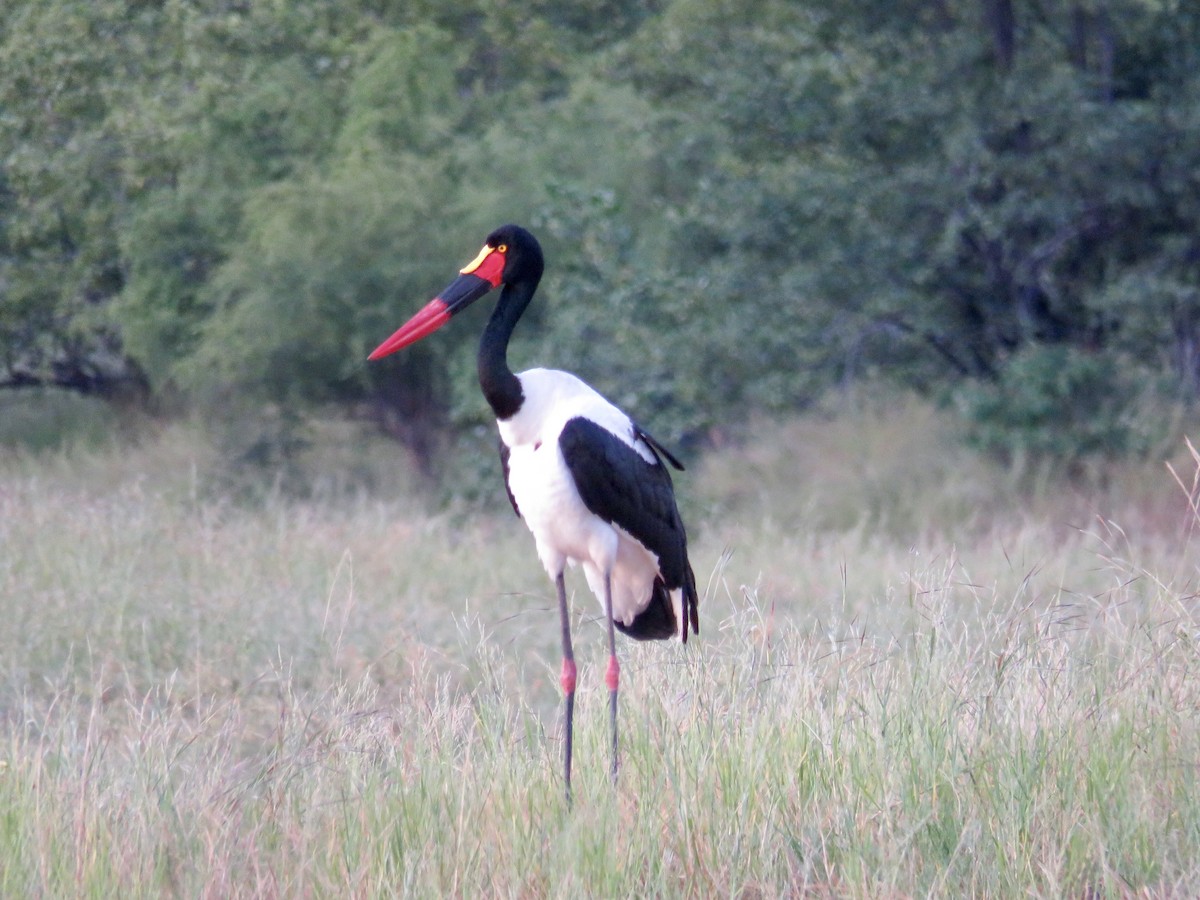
{"x":657,"y":621}
{"x":691,"y":602}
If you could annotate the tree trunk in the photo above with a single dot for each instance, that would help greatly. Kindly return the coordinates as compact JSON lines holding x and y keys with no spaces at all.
{"x":1093,"y":47}
{"x":411,"y":415}
{"x":1001,"y":23}
{"x":1187,"y":356}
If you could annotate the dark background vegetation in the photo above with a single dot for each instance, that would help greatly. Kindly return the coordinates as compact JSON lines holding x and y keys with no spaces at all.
{"x":746,"y":206}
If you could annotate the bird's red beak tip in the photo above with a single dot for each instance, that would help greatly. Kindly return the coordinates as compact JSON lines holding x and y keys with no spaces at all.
{"x":431,"y":317}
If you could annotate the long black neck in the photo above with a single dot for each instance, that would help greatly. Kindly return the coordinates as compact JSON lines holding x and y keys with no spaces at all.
{"x":500,"y":386}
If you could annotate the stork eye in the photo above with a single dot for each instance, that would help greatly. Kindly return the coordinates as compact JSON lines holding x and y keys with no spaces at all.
{"x":503,"y":248}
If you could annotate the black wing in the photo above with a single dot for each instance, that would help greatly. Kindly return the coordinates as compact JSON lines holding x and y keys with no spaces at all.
{"x":504,"y":454}
{"x":621,"y":487}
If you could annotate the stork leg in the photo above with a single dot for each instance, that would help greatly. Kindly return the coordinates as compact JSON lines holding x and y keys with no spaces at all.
{"x":613,"y":676}
{"x":568,"y":681}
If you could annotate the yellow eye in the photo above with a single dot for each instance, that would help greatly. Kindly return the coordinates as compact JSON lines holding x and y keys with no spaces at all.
{"x":503,"y":248}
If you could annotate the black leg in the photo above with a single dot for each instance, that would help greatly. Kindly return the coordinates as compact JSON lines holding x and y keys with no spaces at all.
{"x":613,"y":675}
{"x":568,"y":681}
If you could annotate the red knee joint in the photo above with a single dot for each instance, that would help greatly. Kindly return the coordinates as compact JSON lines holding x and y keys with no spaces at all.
{"x":612,"y":677}
{"x":568,"y":676}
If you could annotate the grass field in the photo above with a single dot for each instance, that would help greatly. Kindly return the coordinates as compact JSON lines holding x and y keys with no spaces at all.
{"x":918,"y":675}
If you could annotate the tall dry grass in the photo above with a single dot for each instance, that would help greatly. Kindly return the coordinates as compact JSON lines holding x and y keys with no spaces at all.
{"x":918,"y":675}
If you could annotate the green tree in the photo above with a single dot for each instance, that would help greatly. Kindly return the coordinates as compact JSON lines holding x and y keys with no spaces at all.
{"x":938,"y":189}
{"x":742,"y":204}
{"x":63,"y":190}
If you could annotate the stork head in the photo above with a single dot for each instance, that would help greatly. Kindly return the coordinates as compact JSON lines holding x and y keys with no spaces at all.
{"x":510,"y":255}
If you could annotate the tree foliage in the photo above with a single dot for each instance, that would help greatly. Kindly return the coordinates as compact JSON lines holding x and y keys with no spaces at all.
{"x":743,"y":205}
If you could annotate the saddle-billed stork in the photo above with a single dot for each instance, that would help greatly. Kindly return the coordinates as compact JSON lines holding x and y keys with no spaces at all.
{"x":591,"y":485}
